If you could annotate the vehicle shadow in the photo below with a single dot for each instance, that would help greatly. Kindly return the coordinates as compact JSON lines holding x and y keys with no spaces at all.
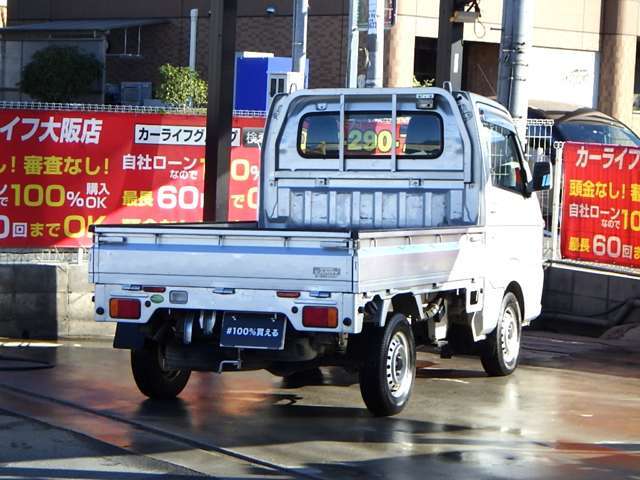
{"x":444,"y":373}
{"x":339,"y":377}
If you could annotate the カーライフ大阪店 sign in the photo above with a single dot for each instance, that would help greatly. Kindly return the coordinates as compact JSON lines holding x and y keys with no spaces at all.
{"x":62,"y":171}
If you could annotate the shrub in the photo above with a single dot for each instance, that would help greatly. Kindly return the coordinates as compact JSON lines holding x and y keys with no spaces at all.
{"x":182,"y":87}
{"x":423,"y":82}
{"x":60,"y":74}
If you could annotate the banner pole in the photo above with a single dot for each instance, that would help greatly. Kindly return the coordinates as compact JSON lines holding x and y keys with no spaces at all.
{"x":555,"y":219}
{"x":222,"y":38}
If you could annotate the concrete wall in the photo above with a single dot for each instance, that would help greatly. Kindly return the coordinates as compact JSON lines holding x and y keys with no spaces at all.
{"x":586,"y":293}
{"x":572,"y":24}
{"x":635,"y":123}
{"x":618,"y":58}
{"x":47,"y":302}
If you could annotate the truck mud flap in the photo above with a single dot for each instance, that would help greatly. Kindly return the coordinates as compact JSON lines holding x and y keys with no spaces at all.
{"x":128,"y":336}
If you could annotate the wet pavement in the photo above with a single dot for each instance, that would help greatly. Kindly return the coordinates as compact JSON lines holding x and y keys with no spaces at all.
{"x":33,"y":449}
{"x":572,"y":410}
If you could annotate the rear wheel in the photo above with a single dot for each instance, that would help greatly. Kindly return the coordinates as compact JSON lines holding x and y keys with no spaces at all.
{"x":500,"y":352}
{"x":151,"y":378}
{"x":389,"y":371}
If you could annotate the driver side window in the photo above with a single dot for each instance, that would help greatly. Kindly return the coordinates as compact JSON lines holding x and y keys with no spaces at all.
{"x":506,"y":165}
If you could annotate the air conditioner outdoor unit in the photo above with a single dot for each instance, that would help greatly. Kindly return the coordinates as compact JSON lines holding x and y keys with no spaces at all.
{"x":135,"y":93}
{"x":283,"y":82}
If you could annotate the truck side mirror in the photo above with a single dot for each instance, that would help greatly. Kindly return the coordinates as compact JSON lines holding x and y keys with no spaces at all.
{"x":541,"y":176}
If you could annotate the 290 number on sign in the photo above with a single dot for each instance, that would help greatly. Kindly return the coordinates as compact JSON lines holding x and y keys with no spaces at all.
{"x":369,"y":141}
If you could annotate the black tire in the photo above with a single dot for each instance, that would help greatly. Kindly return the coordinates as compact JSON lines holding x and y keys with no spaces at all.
{"x":152,"y":380}
{"x":389,"y":369}
{"x":500,"y":352}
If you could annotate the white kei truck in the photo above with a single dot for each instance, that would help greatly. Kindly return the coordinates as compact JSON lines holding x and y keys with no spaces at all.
{"x":388,"y":218}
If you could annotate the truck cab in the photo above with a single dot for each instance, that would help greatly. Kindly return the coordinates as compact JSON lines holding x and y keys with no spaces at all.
{"x":389,"y":218}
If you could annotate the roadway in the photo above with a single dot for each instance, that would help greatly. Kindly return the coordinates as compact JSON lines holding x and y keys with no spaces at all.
{"x":572,"y":410}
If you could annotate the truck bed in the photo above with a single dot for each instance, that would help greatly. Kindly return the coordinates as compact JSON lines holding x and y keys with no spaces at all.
{"x":243,"y":256}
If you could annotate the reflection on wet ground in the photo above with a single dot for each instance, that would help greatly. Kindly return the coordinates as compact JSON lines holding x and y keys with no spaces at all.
{"x":552,"y":419}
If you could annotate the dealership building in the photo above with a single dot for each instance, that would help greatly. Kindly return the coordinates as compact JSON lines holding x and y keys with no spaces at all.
{"x":585,"y":51}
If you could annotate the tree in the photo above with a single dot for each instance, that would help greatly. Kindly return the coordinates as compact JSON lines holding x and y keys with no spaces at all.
{"x":182,"y":87}
{"x":60,"y":74}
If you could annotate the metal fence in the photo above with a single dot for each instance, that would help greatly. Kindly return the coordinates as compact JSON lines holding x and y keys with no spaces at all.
{"x":541,"y":148}
{"x":90,"y":107}
{"x":46,"y":256}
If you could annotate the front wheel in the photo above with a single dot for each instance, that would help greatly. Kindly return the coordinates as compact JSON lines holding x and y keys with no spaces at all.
{"x":500,"y":352}
{"x":152,"y":379}
{"x":389,"y":370}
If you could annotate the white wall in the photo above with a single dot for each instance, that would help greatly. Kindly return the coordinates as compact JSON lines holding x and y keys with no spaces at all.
{"x":565,"y":76}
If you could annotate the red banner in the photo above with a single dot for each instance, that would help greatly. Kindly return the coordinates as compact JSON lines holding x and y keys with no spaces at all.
{"x":601,"y":204}
{"x":61,"y":171}
{"x":244,"y":171}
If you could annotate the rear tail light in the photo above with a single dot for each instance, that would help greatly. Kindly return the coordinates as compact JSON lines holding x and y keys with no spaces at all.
{"x":127,"y":308}
{"x":320,"y":317}
{"x":284,"y":294}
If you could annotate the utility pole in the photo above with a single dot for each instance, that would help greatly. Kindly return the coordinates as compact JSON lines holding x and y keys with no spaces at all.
{"x":222,"y":53}
{"x":513,"y":91}
{"x":375,"y":44}
{"x":506,"y":45}
{"x":450,"y":33}
{"x":300,"y":26}
{"x":354,"y":45}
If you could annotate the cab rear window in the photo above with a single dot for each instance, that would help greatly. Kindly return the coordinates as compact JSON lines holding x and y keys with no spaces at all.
{"x":419,"y":135}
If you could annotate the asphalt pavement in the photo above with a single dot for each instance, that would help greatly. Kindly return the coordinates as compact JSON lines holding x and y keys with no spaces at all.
{"x":572,"y":410}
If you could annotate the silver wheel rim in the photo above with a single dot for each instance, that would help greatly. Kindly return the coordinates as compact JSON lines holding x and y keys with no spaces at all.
{"x":399,"y":366}
{"x":510,"y":335}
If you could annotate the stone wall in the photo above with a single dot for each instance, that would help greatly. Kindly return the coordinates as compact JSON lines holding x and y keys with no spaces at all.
{"x":47,"y":302}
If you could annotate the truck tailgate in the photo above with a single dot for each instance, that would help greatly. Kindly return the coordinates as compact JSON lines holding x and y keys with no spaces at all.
{"x":210,"y":256}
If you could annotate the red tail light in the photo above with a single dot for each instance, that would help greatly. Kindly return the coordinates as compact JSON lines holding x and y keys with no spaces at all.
{"x":285,"y":294}
{"x":320,"y":317}
{"x":127,"y":308}
{"x":154,"y":289}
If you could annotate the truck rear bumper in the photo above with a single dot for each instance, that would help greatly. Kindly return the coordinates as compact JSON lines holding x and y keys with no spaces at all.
{"x":230,"y":300}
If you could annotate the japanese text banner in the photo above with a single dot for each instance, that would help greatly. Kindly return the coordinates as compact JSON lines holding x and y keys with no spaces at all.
{"x":62,"y":171}
{"x":244,"y":169}
{"x":601,"y":204}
